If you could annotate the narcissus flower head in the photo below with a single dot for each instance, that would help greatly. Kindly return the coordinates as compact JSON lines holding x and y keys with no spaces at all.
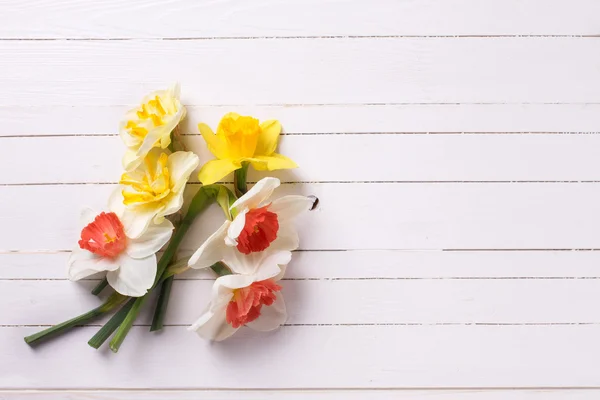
{"x":150,"y":125}
{"x":104,"y":246}
{"x":252,"y":300}
{"x":260,"y":224}
{"x":242,"y":139}
{"x":154,"y":189}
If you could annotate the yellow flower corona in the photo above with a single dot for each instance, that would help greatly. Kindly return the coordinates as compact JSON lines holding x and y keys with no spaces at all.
{"x":241,"y":139}
{"x":150,"y":125}
{"x":151,"y":185}
{"x":154,"y":189}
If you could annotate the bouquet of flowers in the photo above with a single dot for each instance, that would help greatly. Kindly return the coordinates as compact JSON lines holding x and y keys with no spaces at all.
{"x":248,"y":253}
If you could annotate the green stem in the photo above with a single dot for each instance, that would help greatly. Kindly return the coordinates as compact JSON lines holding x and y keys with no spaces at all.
{"x":200,"y":202}
{"x":161,"y":304}
{"x":239,"y":180}
{"x":100,"y":287}
{"x":113,"y":301}
{"x":104,"y":333}
{"x":127,"y":323}
{"x":220,"y":269}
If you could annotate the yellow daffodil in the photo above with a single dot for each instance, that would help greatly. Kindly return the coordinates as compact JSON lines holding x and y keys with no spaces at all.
{"x":241,"y":139}
{"x":153,"y":190}
{"x":150,"y":125}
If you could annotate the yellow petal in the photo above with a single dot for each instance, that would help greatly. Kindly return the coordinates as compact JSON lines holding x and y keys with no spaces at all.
{"x":267,"y":140}
{"x":273,"y":162}
{"x":215,"y":170}
{"x":213,"y":143}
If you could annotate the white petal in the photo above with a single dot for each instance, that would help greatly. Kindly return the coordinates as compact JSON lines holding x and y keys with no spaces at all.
{"x":136,"y":220}
{"x":134,"y":276}
{"x":271,"y":317}
{"x":236,"y":227}
{"x":287,"y":238}
{"x":151,"y":241}
{"x":234,"y":282}
{"x":212,"y":250}
{"x":212,"y":325}
{"x":174,"y":204}
{"x":131,"y":160}
{"x":181,"y":164}
{"x":289,"y":207}
{"x":175,"y":90}
{"x":240,"y":263}
{"x":257,"y":195}
{"x":83,"y":263}
{"x":115,"y":202}
{"x":270,"y":266}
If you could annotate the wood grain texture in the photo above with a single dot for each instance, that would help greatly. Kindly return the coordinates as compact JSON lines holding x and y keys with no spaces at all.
{"x":368,"y":264}
{"x":112,"y":19}
{"x":381,"y":394}
{"x":328,"y":302}
{"x":364,"y":356}
{"x":452,"y":146}
{"x":415,"y":216}
{"x":303,"y":71}
{"x":335,"y":158}
{"x":56,"y":120}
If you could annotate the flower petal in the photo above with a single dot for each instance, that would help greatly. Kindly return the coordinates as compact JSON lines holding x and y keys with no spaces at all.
{"x":270,"y":266}
{"x":273,"y":162}
{"x":214,"y":144}
{"x":215,"y":170}
{"x":212,"y":325}
{"x":289,"y":207}
{"x":181,"y":164}
{"x":240,"y":263}
{"x":235,"y":281}
{"x":115,"y":202}
{"x":131,"y":160}
{"x":174,"y":204}
{"x":212,"y":249}
{"x":271,"y":317}
{"x":151,"y":241}
{"x":267,"y":140}
{"x":134,"y":276}
{"x":257,"y":195}
{"x":136,"y":220}
{"x":235,"y":228}
{"x":83,"y":263}
{"x":287,"y":238}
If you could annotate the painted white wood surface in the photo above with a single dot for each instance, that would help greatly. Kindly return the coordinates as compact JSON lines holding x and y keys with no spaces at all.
{"x":452,"y":145}
{"x":85,"y":19}
{"x":304,"y":71}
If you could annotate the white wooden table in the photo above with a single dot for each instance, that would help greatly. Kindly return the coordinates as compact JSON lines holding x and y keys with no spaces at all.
{"x":453,"y":145}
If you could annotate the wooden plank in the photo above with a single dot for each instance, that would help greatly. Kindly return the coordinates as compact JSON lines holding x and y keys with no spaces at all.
{"x":353,"y":216}
{"x":58,"y":120}
{"x":316,"y":394}
{"x":303,"y":71}
{"x":363,"y":356}
{"x":334,"y":158}
{"x":185,"y":18}
{"x":330,"y":302}
{"x":370,"y":264}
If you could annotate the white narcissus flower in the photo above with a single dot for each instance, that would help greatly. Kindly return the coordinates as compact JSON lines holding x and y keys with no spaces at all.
{"x":150,"y":125}
{"x":153,"y":190}
{"x":259,"y":225}
{"x":254,"y":300}
{"x":104,"y":246}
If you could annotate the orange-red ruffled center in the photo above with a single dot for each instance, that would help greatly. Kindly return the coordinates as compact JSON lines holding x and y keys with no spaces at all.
{"x":259,"y":231}
{"x":105,"y":236}
{"x":247,"y":302}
